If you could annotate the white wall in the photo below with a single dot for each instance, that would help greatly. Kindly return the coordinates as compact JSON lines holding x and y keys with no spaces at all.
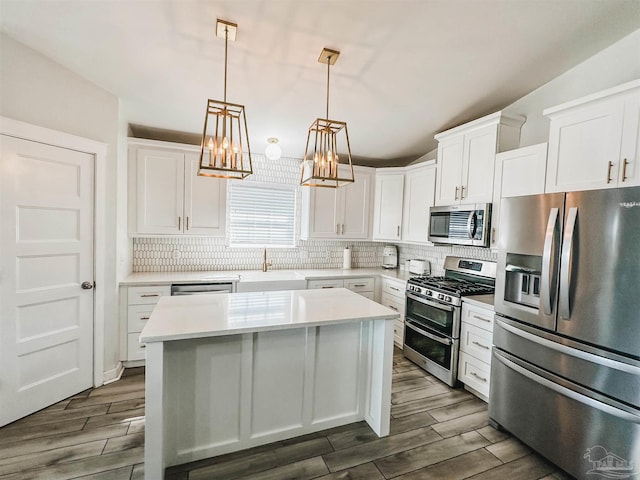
{"x":36,"y":90}
{"x":615,"y":65}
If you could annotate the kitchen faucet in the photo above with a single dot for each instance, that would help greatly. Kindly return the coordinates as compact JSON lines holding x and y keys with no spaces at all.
{"x":265,"y":265}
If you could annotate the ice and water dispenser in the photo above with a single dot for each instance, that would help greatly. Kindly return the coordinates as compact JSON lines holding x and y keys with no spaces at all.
{"x":522,"y":279}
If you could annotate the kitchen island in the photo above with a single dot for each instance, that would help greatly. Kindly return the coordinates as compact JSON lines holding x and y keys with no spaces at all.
{"x":225,"y":372}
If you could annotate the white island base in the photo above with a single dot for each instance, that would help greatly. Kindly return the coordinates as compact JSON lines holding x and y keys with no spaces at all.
{"x":231,"y":371}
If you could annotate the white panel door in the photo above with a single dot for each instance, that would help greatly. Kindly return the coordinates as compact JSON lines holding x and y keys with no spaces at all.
{"x":387,"y":221}
{"x":419,"y":194}
{"x":46,"y":253}
{"x":478,"y":165}
{"x":160,"y":191}
{"x":205,"y":201}
{"x":449,"y":171}
{"x":323,"y":213}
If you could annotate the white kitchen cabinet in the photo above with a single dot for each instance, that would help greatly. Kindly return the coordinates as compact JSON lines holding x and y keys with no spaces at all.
{"x":419,"y":194}
{"x":466,"y":158}
{"x":170,"y":198}
{"x":339,"y":213}
{"x":474,"y":361}
{"x":365,"y":286}
{"x":518,"y":172}
{"x":137,"y":305}
{"x":594,"y":141}
{"x":393,"y":297}
{"x":387,"y":206}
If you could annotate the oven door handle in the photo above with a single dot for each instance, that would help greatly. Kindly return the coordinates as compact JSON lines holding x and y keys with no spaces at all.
{"x":445,"y":341}
{"x":437,"y":305}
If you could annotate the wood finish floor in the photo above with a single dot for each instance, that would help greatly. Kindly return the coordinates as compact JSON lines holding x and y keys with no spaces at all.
{"x":436,"y":433}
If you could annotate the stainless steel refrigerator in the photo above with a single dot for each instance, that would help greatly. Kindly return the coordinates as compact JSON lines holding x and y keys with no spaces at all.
{"x":565,"y":372}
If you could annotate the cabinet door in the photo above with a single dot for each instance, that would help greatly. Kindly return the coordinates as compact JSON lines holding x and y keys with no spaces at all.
{"x":159,"y":191}
{"x":419,"y":193}
{"x":630,"y":153}
{"x":205,"y":201}
{"x":449,"y":175}
{"x":323,"y":221}
{"x":584,"y":147}
{"x":478,"y":165}
{"x":355,"y":204}
{"x":387,"y":221}
{"x":518,"y":172}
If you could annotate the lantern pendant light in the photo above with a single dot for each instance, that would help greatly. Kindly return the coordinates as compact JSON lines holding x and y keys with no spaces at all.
{"x":321,"y":163}
{"x":224,"y":151}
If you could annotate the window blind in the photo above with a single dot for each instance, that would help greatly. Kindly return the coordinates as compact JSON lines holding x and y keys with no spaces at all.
{"x":261,"y":214}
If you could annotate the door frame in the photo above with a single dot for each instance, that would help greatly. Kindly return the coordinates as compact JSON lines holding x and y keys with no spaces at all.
{"x":27,"y":131}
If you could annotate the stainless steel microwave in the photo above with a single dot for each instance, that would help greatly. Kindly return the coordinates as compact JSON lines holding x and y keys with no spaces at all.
{"x":460,"y":224}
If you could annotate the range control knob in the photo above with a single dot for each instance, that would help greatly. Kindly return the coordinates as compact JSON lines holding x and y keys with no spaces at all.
{"x":440,"y":296}
{"x":448,"y":299}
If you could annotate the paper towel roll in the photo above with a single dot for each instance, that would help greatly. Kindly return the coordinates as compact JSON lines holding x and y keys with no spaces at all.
{"x":346,"y":259}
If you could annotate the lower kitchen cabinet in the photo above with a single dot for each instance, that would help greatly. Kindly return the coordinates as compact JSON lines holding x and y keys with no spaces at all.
{"x":393,"y":298}
{"x":474,"y":362}
{"x":364,"y":286}
{"x":140,"y":302}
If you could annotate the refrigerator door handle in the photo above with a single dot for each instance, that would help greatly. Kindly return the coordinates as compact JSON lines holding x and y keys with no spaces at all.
{"x":547,"y":252}
{"x":565,"y":264}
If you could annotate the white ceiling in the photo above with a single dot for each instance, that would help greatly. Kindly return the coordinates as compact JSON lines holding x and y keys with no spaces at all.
{"x":407,"y":69}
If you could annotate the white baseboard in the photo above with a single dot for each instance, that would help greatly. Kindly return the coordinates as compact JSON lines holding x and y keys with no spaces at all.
{"x":133,"y":363}
{"x":113,"y":374}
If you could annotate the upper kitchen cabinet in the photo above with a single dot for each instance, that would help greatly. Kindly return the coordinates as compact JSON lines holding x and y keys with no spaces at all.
{"x":594,"y":141}
{"x":387,"y":206}
{"x":466,"y":158}
{"x":168,"y":197}
{"x":518,"y":172}
{"x":419,"y":194}
{"x":339,"y":213}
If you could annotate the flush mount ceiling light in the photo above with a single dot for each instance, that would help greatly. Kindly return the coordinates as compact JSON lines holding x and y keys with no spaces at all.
{"x":321,"y":166}
{"x":225,"y":151}
{"x":273,"y":150}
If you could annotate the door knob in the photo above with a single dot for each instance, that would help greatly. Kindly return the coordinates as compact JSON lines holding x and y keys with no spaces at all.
{"x":86,"y":285}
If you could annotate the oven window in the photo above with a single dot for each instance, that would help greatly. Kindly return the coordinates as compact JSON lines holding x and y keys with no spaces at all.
{"x":433,"y":317}
{"x":428,"y":348}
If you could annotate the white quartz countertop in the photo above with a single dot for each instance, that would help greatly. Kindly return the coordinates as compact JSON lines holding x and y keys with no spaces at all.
{"x":167,"y":278}
{"x":199,"y":316}
{"x":484,"y":301}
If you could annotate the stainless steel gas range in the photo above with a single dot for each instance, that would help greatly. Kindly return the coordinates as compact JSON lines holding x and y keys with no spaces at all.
{"x":432,"y":317}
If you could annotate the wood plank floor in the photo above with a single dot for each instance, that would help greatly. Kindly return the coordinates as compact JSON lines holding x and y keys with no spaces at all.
{"x":436,"y":433}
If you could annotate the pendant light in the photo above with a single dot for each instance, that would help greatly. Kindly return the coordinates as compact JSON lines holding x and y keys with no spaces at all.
{"x":320,"y":165}
{"x":225,"y":151}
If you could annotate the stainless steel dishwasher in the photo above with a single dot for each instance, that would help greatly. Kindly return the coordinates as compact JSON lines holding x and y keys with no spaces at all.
{"x":201,"y":288}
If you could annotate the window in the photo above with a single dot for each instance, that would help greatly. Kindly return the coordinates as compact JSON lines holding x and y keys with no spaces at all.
{"x":261,"y":214}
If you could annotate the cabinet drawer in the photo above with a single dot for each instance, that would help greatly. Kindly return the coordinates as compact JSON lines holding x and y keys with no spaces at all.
{"x":359,"y":284}
{"x":480,"y":317}
{"x":476,"y":342}
{"x":137,"y":316}
{"x":147,"y":295}
{"x":335,"y":283}
{"x":398,"y":333}
{"x":394,"y":303}
{"x":135,"y":350}
{"x":368,"y":295}
{"x":474,"y":373}
{"x":394,"y":288}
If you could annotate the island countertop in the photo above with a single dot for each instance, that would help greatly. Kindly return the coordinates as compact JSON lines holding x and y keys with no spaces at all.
{"x":199,"y":316}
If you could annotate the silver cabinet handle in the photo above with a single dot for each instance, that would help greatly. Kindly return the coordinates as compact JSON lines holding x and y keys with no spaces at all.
{"x":144,"y":318}
{"x":609,"y":172}
{"x":392,"y":308}
{"x":566,"y":264}
{"x":337,"y":228}
{"x":456,"y":194}
{"x":548,"y":283}
{"x":187,"y":223}
{"x":624,"y":169}
{"x":360,"y":285}
{"x":342,"y":229}
{"x":461,"y":192}
{"x":480,"y":345}
{"x":179,"y":223}
{"x":394,"y":288}
{"x":144,"y":295}
{"x":479,"y":377}
{"x":488,"y":320}
{"x":327,"y":286}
